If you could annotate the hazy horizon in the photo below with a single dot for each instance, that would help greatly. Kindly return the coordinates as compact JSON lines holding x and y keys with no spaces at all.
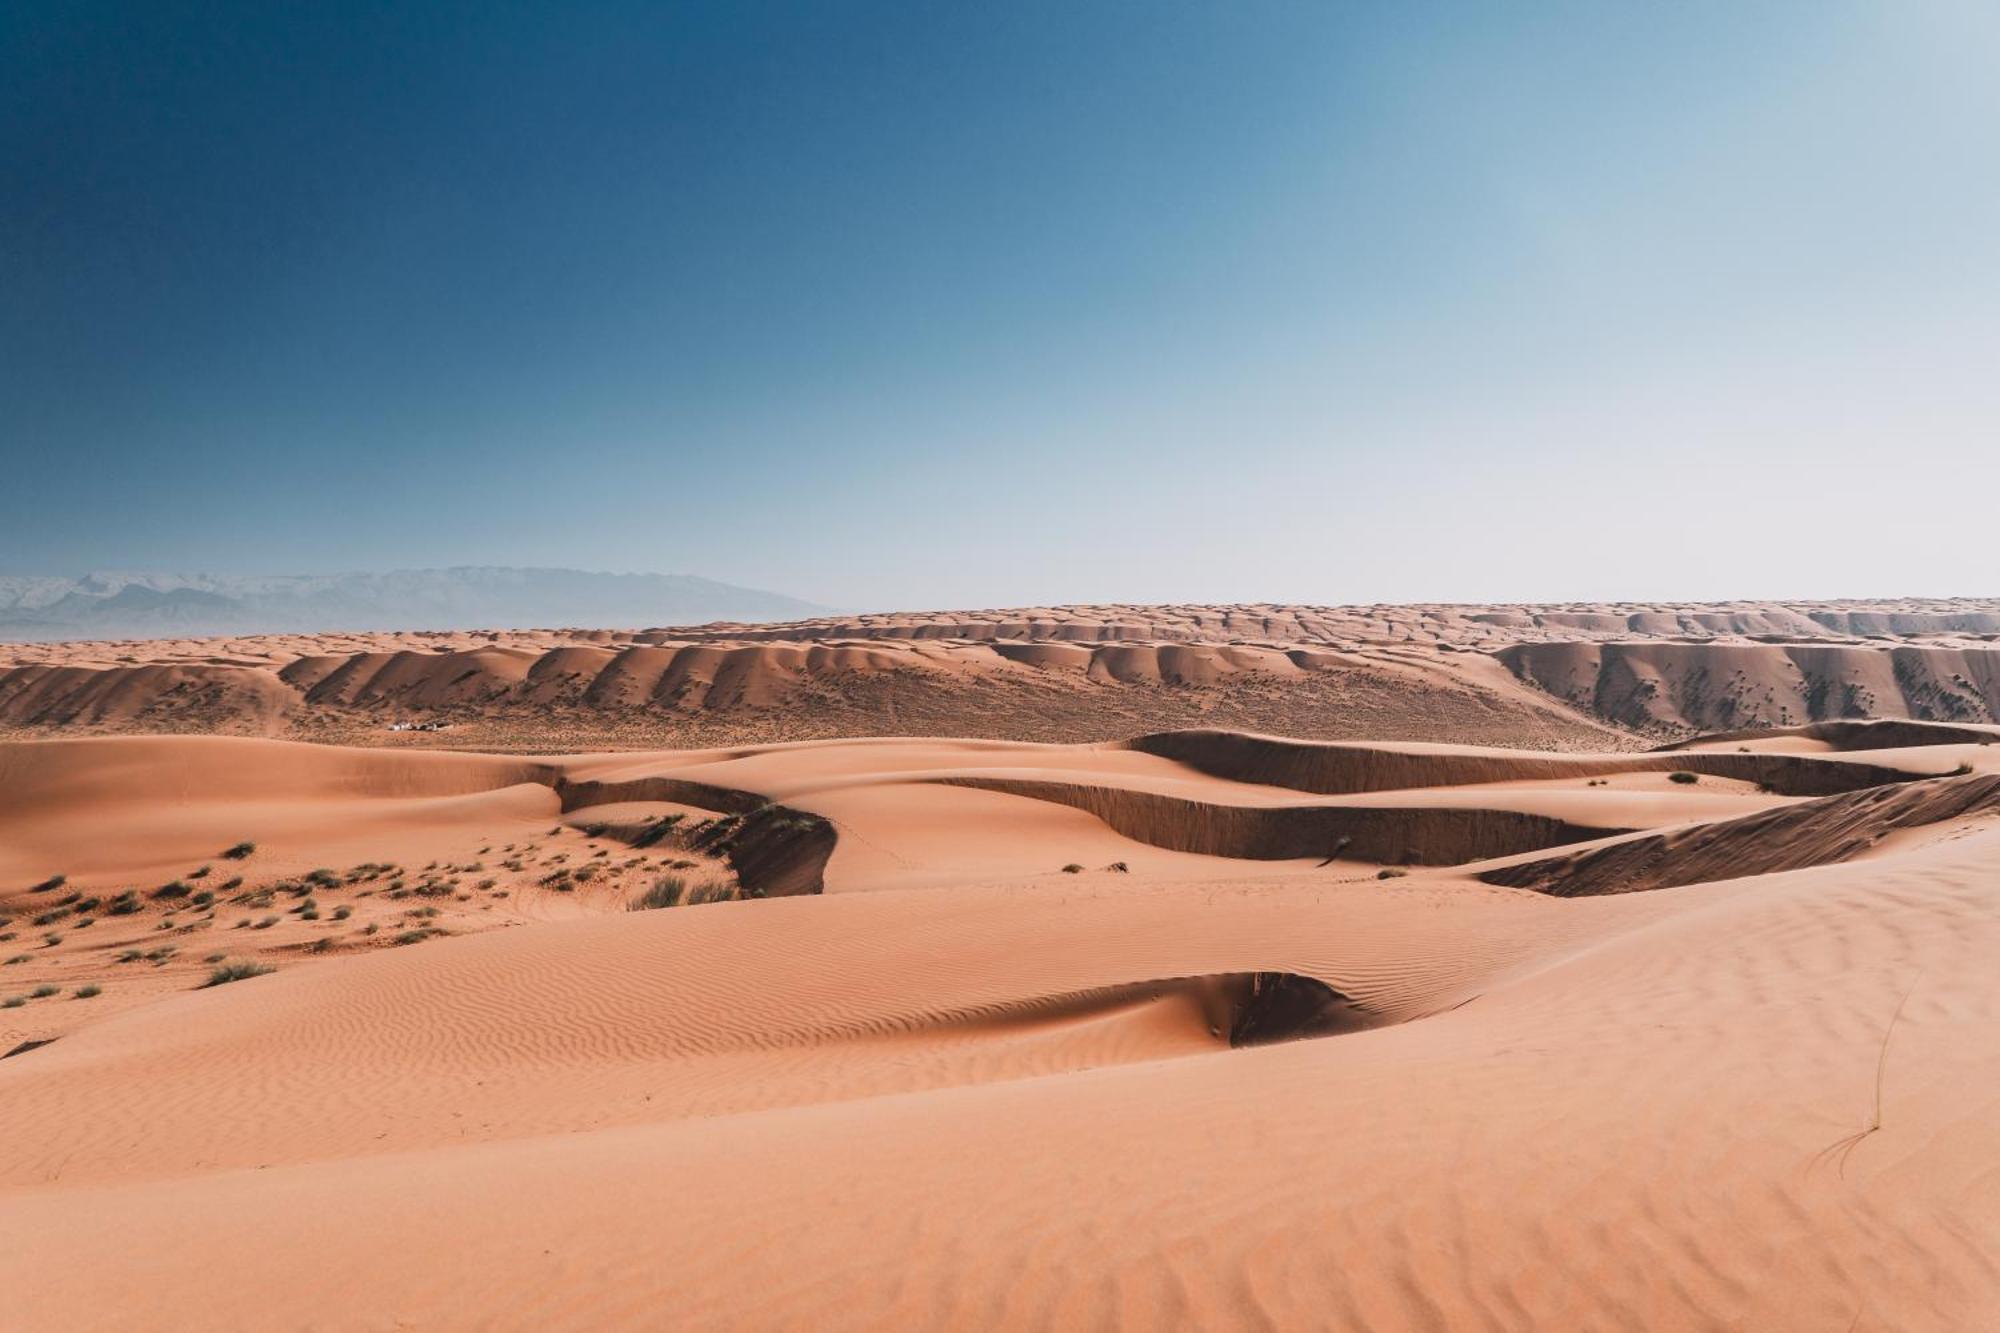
{"x":856,"y":608}
{"x":892,"y":308}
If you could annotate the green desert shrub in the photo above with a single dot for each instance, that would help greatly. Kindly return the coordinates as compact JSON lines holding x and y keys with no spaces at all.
{"x":670,"y":891}
{"x":241,"y":970}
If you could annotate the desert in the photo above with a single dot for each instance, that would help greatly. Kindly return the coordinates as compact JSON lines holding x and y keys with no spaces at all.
{"x":1065,"y":667}
{"x":1585,"y":1024}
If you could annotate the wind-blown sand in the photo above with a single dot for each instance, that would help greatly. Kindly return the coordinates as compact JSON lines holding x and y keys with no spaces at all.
{"x":1196,"y":1029}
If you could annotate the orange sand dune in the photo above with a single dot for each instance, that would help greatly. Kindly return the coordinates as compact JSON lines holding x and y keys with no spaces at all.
{"x":965,"y":1044}
{"x":1561,"y":677}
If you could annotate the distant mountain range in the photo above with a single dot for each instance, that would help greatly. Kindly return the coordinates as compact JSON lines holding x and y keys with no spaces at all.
{"x":123,"y":605}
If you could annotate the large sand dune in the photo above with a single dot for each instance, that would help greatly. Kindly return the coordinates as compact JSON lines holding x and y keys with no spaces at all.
{"x":1547,"y":677}
{"x":1199,"y":1029}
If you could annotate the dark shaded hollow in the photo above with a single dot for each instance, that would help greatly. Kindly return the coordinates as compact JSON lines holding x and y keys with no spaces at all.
{"x":1267,"y":1007}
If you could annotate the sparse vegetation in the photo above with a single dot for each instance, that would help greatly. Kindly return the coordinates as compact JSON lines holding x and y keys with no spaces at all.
{"x":667,"y":892}
{"x":1072,"y":869}
{"x":241,"y":970}
{"x":88,"y":992}
{"x":654,"y":832}
{"x":1683,"y":777}
{"x":1392,"y":872}
{"x":241,"y":851}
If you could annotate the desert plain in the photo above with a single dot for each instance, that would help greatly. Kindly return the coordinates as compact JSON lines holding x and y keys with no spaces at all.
{"x":1441,"y":967}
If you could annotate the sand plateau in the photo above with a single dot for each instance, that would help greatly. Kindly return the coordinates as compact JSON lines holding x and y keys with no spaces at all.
{"x":1597,"y":676}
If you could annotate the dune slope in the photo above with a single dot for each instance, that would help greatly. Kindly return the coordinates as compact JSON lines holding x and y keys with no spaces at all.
{"x":1005,"y":1061}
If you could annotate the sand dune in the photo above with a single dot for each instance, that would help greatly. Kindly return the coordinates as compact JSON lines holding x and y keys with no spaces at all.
{"x":1819,"y":832}
{"x":1017,"y":1039}
{"x":1710,"y":686}
{"x":1542,"y":677}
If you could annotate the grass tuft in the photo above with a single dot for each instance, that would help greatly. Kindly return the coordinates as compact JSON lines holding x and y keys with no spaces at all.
{"x":670,"y":891}
{"x":241,"y":970}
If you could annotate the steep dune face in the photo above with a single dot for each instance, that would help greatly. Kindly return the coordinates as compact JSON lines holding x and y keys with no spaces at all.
{"x":972,"y":1087}
{"x":1820,"y":832}
{"x":1714,"y":687}
{"x":1334,"y":768}
{"x":1397,"y":835}
{"x":194,"y":696}
{"x":1852,"y":735}
{"x":1899,"y":624}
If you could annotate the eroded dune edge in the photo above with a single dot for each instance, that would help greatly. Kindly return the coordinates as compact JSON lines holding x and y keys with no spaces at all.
{"x":1199,"y":1027}
{"x":1565,"y":678}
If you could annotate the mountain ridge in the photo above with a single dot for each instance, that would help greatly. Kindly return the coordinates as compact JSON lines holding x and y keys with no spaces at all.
{"x":132,"y":604}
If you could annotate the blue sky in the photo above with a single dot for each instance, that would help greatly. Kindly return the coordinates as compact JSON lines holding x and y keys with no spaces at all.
{"x":956,"y":305}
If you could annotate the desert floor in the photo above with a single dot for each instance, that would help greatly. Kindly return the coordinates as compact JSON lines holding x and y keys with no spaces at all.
{"x":1196,"y":1029}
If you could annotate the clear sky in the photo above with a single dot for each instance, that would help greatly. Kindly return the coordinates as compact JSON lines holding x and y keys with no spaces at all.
{"x":937,"y":305}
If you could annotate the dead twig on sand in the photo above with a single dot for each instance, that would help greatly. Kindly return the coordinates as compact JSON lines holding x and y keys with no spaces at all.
{"x":1842,"y":1149}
